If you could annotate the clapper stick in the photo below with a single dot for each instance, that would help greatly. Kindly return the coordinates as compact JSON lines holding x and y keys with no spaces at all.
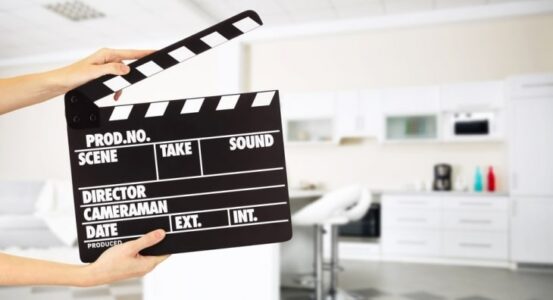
{"x":80,"y":110}
{"x":210,"y":171}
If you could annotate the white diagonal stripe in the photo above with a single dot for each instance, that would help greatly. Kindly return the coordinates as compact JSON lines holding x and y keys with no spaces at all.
{"x":192,"y":106}
{"x":181,"y":54}
{"x":263,"y":99}
{"x":116,"y":83}
{"x":156,"y":109}
{"x":149,"y":68}
{"x":120,"y":112}
{"x":227,"y":102}
{"x":246,"y":24}
{"x":214,"y":39}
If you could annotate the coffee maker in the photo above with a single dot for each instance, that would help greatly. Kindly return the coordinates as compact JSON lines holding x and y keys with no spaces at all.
{"x":442,"y":177}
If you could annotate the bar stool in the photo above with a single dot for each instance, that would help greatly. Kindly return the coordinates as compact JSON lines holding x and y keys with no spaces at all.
{"x":335,"y":208}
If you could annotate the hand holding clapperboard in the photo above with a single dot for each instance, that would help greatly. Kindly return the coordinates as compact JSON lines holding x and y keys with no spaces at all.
{"x":210,"y":171}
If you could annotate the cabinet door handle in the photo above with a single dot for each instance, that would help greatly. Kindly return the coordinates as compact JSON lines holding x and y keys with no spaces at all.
{"x":412,"y":220}
{"x":475,"y":245}
{"x":411,"y":202}
{"x":412,"y":242}
{"x":468,"y":221}
{"x":514,"y":207}
{"x":475,"y":204}
{"x":514,"y":179}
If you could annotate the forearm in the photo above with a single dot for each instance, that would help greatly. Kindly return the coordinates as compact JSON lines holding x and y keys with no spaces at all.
{"x":21,"y":91}
{"x":16,"y":270}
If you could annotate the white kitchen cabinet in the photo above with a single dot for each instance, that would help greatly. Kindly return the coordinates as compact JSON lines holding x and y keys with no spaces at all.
{"x":427,"y":243}
{"x":409,"y":202}
{"x":531,"y":146}
{"x":307,"y":106}
{"x":446,"y":226}
{"x":472,"y":97}
{"x":531,"y":86}
{"x":477,"y":245}
{"x":476,"y":203}
{"x":411,"y":225}
{"x":411,"y":101}
{"x":532,"y":230}
{"x":531,"y":165}
{"x":357,"y":113}
{"x":471,"y":220}
{"x":410,"y":114}
{"x":413,"y":219}
{"x":370,"y":102}
{"x":308,"y":117}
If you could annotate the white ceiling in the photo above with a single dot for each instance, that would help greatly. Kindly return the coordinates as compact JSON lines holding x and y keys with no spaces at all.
{"x":28,"y":29}
{"x":276,"y":12}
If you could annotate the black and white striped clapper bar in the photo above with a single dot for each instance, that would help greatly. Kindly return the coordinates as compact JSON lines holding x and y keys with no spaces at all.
{"x":208,"y":170}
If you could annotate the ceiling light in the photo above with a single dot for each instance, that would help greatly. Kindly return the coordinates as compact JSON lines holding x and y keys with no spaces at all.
{"x":75,"y":10}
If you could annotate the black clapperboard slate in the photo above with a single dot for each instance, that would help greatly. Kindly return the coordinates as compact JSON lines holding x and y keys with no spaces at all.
{"x":209,"y":170}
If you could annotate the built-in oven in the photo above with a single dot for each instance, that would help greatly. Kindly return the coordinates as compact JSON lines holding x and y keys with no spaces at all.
{"x":367,"y":227}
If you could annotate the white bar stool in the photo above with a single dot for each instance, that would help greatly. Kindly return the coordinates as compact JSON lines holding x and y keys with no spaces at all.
{"x":335,"y":208}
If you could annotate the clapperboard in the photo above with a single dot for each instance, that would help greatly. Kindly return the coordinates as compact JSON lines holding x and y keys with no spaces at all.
{"x":209,"y":170}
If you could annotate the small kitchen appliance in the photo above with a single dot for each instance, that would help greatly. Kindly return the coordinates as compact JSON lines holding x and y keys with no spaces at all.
{"x":442,"y":177}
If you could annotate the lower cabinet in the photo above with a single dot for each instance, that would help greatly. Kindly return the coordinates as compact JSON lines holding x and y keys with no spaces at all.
{"x":412,"y":242}
{"x":477,"y":245}
{"x":532,"y":227}
{"x":446,"y":226}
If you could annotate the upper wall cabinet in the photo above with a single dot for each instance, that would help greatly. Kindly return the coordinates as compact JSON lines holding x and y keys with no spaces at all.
{"x":410,"y":101}
{"x":459,"y":112}
{"x":308,"y":117}
{"x":357,"y":113}
{"x":472,"y":97}
{"x":410,"y":114}
{"x":301,"y":106}
{"x":473,"y":111}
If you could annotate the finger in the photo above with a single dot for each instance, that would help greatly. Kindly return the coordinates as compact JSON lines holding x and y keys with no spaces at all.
{"x":117,"y":95}
{"x":112,"y":68}
{"x":147,"y":240}
{"x":118,"y":55}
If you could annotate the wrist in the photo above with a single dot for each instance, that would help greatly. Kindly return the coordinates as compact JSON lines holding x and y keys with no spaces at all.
{"x":84,"y":276}
{"x":55,"y":81}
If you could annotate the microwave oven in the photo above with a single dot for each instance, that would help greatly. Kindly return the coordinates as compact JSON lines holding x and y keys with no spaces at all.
{"x":471,"y":124}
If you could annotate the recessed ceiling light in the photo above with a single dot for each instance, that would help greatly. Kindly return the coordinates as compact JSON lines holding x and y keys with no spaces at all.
{"x":75,"y":10}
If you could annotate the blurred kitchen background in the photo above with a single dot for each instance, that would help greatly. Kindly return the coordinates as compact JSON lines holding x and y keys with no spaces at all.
{"x":441,"y":109}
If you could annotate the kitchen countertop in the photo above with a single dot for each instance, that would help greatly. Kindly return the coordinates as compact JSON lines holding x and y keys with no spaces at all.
{"x":441,"y":193}
{"x":316,"y":193}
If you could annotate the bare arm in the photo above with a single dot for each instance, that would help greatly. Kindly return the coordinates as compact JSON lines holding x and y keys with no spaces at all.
{"x":119,"y":262}
{"x":21,"y":91}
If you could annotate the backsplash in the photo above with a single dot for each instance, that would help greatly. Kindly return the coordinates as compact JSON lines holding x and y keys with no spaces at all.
{"x":393,"y":166}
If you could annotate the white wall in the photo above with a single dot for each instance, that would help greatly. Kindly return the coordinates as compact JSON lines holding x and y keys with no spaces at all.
{"x":33,"y":140}
{"x":424,"y":55}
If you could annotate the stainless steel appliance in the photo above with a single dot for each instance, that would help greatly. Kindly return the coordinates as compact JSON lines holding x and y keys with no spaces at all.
{"x":368,"y":226}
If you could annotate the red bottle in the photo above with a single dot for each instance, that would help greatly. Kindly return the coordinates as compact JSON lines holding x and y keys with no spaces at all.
{"x":491,"y":180}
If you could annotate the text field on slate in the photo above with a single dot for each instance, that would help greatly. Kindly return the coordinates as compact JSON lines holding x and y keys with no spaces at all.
{"x":212,"y":178}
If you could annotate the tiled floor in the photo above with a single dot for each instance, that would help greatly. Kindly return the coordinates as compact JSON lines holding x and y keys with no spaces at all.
{"x":367,"y":280}
{"x":398,"y":281}
{"x":125,"y":290}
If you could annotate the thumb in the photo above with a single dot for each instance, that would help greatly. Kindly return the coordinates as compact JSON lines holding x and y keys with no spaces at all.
{"x":147,"y":240}
{"x":112,"y":68}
